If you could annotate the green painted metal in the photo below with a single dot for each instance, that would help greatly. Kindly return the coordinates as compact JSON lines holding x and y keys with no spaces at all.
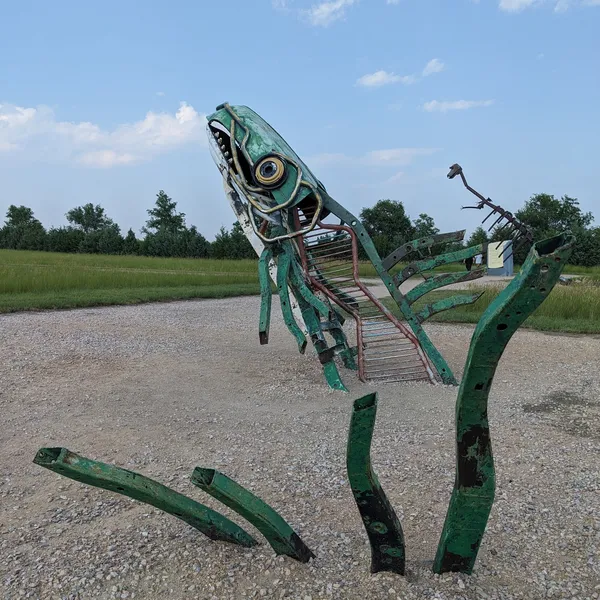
{"x":474,"y":487}
{"x":283,"y":269}
{"x":282,"y":538}
{"x":136,"y":486}
{"x":420,"y":244}
{"x":282,"y":211}
{"x":427,"y":264}
{"x":434,"y":308}
{"x":363,"y":237}
{"x":266,"y":295}
{"x":438,"y":281}
{"x":380,"y":521}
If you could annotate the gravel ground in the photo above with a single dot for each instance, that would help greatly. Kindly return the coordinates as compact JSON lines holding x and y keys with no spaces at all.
{"x":162,"y":388}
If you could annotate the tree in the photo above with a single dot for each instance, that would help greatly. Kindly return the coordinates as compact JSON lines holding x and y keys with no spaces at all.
{"x":89,"y":218}
{"x":479,"y":236}
{"x":546,"y":214}
{"x":424,"y":226}
{"x":388,"y":225}
{"x":131,"y":245}
{"x":22,"y":231}
{"x":163,"y":216}
{"x":240,"y":246}
{"x":64,"y":239}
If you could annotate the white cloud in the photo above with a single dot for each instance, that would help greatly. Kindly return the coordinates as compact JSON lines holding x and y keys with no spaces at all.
{"x":443,"y":106}
{"x":515,"y":6}
{"x":325,"y":13}
{"x":396,"y":156}
{"x":435,"y":65}
{"x":36,"y":132}
{"x":389,"y":157}
{"x":160,"y":93}
{"x":392,"y":1}
{"x":380,"y":78}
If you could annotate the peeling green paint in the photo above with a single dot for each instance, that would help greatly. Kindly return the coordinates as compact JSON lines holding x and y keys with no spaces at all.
{"x":474,"y":487}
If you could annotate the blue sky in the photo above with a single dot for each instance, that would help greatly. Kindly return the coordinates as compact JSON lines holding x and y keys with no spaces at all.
{"x":104,"y":102}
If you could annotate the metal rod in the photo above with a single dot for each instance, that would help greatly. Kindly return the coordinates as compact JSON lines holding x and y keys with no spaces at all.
{"x":282,"y":538}
{"x":380,"y":521}
{"x":136,"y":486}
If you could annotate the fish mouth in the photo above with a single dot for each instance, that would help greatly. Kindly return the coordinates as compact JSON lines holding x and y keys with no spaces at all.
{"x":220,"y":144}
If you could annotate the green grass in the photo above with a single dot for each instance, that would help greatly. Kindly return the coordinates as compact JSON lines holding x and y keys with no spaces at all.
{"x":567,"y":309}
{"x":47,"y":280}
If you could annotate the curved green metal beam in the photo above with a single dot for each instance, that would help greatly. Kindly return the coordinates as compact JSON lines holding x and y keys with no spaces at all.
{"x":266,"y":295}
{"x":282,"y":538}
{"x":380,"y":521}
{"x":136,"y":486}
{"x":399,"y":253}
{"x":283,"y":270}
{"x":434,"y":308}
{"x":474,"y":487}
{"x":438,"y":281}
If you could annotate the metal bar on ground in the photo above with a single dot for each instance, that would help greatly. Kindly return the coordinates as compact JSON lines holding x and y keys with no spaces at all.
{"x":136,"y":486}
{"x":282,"y":538}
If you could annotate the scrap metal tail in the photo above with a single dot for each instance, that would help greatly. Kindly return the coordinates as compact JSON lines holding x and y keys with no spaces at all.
{"x":516,"y":232}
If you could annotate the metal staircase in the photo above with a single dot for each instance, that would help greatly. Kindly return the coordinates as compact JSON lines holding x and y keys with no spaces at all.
{"x":387,"y":350}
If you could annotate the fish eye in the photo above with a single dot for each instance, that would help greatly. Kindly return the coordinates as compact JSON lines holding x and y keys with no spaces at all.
{"x":270,"y":171}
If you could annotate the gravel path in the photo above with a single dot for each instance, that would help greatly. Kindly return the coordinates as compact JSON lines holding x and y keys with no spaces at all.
{"x":162,"y":388}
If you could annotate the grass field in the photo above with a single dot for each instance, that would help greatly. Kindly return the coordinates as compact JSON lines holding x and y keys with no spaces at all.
{"x":567,"y":309}
{"x":45,"y":280}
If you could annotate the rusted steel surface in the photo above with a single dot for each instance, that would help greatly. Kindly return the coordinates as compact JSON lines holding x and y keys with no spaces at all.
{"x":474,"y":486}
{"x":136,"y":486}
{"x":381,"y":523}
{"x":282,"y":538}
{"x":513,"y":230}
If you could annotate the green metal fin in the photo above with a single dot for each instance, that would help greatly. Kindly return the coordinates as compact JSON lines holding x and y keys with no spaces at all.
{"x":136,"y":486}
{"x":474,"y":486}
{"x":380,"y":521}
{"x":446,"y":304}
{"x":266,"y":295}
{"x":282,"y":538}
{"x":438,"y":281}
{"x":283,"y":269}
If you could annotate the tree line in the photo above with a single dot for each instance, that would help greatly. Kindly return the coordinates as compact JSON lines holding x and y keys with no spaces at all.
{"x":90,"y":230}
{"x":165,"y":233}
